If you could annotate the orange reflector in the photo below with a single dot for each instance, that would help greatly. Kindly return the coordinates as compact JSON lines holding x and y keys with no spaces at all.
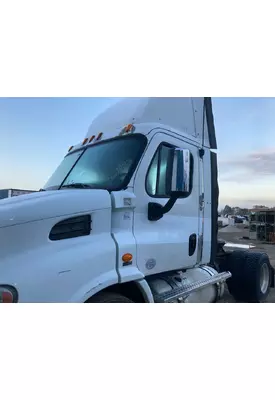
{"x":6,"y":297}
{"x":127,"y":257}
{"x":129,"y":128}
{"x":85,"y":141}
{"x":70,"y":148}
{"x":91,"y":138}
{"x":99,"y":136}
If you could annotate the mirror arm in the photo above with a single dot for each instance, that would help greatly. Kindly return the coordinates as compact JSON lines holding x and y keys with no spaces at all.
{"x":170,"y":204}
{"x":156,"y":211}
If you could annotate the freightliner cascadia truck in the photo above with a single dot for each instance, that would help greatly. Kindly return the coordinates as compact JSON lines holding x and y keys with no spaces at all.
{"x":129,"y":215}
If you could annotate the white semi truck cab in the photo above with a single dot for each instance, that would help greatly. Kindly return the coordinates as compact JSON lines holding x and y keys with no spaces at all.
{"x":129,"y":215}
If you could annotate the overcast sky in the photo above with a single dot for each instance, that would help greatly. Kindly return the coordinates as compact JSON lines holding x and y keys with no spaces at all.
{"x":35,"y":134}
{"x":245,"y":132}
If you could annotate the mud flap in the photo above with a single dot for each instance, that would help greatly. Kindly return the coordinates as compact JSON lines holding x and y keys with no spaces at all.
{"x":272,"y":283}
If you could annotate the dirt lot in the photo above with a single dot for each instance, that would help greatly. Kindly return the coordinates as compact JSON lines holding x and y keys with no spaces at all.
{"x":236,"y":237}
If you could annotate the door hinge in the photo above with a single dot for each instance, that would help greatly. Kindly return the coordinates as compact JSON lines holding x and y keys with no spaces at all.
{"x":201,"y":153}
{"x":201,"y":201}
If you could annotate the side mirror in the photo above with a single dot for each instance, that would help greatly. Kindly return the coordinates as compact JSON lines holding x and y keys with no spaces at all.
{"x":178,"y":182}
{"x":180,"y":172}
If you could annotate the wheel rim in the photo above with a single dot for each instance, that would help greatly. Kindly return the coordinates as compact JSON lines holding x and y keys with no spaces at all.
{"x":264,"y":278}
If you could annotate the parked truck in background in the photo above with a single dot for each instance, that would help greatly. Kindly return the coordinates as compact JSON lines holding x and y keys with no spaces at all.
{"x":6,"y":193}
{"x":130,"y":215}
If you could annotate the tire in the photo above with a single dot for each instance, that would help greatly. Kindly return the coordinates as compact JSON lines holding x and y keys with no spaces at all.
{"x":108,"y":297}
{"x":251,"y":276}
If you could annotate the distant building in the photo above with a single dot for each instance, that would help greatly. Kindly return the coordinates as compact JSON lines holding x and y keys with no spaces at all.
{"x":259,"y":208}
{"x":4,"y":193}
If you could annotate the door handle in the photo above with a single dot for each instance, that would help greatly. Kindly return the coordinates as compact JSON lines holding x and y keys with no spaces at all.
{"x":192,"y":244}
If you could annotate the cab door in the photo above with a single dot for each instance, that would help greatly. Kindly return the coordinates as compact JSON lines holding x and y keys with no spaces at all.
{"x":170,"y":243}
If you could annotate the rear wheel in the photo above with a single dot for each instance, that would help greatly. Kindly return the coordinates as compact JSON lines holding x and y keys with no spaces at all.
{"x":109,"y":297}
{"x":251,"y":276}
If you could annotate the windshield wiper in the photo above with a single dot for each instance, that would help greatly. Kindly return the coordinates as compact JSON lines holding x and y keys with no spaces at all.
{"x":77,"y":186}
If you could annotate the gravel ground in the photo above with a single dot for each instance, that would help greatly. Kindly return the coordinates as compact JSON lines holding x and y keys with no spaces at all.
{"x":236,"y":236}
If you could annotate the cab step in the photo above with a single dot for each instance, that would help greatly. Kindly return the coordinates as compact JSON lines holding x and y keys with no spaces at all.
{"x":185,"y":290}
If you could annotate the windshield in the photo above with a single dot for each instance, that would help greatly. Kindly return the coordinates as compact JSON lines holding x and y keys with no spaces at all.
{"x":106,"y":165}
